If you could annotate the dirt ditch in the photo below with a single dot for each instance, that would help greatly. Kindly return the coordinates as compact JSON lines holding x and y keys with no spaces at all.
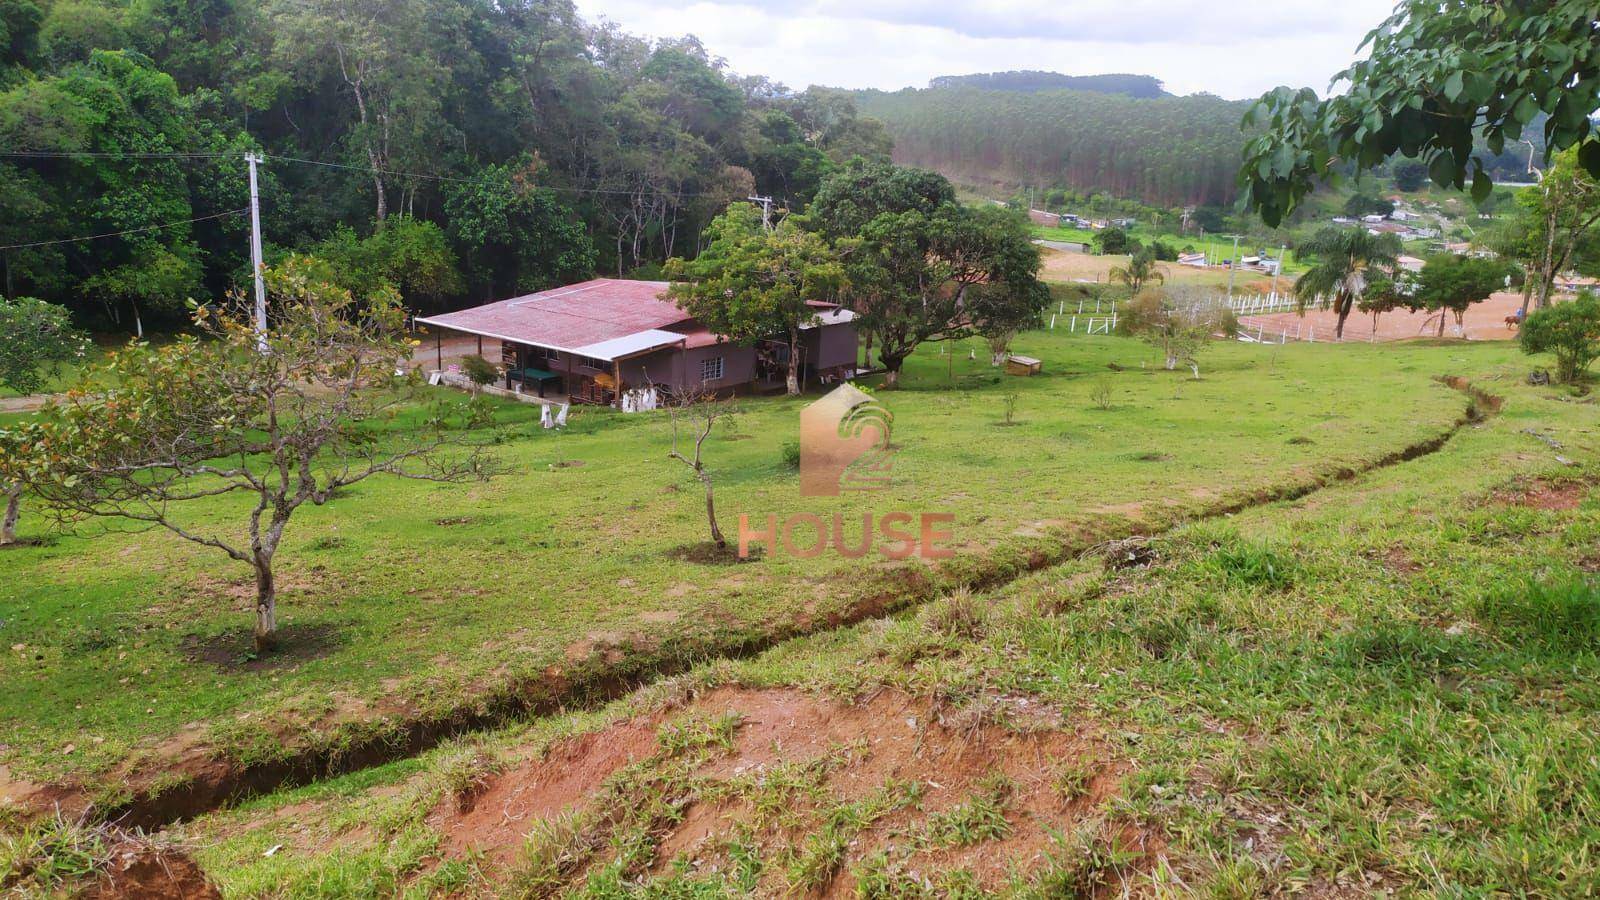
{"x":205,"y":781}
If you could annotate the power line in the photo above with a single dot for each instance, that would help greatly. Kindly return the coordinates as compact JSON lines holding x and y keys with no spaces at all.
{"x":107,"y":154}
{"x":95,"y":237}
{"x":368,"y":170}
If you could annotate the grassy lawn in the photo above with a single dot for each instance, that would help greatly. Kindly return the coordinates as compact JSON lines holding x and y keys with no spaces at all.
{"x":1386,"y":685}
{"x":407,"y":600}
{"x":1219,"y":248}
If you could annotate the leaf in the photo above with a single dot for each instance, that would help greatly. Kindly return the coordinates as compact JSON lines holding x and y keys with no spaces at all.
{"x":1442,"y":169}
{"x":1453,"y":86}
{"x":1589,"y":156}
{"x":1482,"y":184}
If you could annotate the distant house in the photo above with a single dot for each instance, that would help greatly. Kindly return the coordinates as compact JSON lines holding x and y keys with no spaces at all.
{"x":595,"y":341}
{"x":1411,"y":263}
{"x":1041,"y":217}
{"x":1197,"y":260}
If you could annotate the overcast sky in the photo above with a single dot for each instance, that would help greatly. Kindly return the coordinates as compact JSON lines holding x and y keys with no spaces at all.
{"x":1192,"y":45}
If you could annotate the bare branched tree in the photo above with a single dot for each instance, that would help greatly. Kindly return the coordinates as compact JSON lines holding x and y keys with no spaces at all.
{"x":214,"y":416}
{"x":694,"y":412}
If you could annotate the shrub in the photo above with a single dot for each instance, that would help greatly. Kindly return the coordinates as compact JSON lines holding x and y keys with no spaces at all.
{"x":791,"y":454}
{"x":479,"y":370}
{"x":1569,"y":330}
{"x":1251,"y":566}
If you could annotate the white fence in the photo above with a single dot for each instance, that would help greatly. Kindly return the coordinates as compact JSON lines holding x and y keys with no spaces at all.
{"x":1256,"y":304}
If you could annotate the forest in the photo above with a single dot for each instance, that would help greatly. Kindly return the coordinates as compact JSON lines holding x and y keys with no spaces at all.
{"x":461,"y":150}
{"x":1165,"y":151}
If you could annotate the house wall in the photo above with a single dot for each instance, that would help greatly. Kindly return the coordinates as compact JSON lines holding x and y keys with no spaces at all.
{"x":680,"y":368}
{"x":831,"y":346}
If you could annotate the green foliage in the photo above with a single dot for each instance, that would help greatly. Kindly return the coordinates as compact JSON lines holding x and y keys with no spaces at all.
{"x":1111,"y":241}
{"x":1360,"y":205}
{"x":408,"y":255}
{"x":1454,"y":283}
{"x":1434,"y":75}
{"x":750,"y":283}
{"x":1569,"y":330}
{"x":1346,"y":261}
{"x":479,"y":370}
{"x":1140,"y":271}
{"x":35,"y":338}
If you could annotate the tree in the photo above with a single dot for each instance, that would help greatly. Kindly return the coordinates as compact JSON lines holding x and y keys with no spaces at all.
{"x":408,"y":254}
{"x":751,"y":283}
{"x":1178,"y":322}
{"x":1140,"y":271}
{"x":1410,"y":176}
{"x":695,"y":412}
{"x":860,"y":191}
{"x":1436,"y":75}
{"x":1384,"y":293}
{"x":513,"y":237}
{"x":916,"y":277}
{"x":1454,"y":283}
{"x":1111,"y":241}
{"x":1346,"y":260}
{"x":211,"y":416}
{"x":1560,"y":216}
{"x":1569,"y":330}
{"x":1360,"y":205}
{"x":35,"y":338}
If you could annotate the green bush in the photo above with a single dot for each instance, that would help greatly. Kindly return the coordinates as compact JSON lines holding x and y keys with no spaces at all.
{"x":479,"y":370}
{"x":1569,"y":330}
{"x":791,"y":454}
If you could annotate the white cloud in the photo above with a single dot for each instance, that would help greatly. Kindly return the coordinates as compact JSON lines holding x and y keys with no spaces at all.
{"x":1192,"y":45}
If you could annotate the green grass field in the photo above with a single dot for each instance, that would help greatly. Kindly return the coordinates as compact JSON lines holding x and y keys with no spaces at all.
{"x":1219,"y":248}
{"x":1386,"y":683}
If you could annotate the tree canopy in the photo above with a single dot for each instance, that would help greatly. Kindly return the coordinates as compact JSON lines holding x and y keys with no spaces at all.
{"x":543,"y":147}
{"x":1436,"y":77}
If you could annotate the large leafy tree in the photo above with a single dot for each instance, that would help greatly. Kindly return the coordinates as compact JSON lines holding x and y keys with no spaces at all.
{"x":945,"y":274}
{"x":1452,"y":284}
{"x":409,"y":255}
{"x":1347,"y":261}
{"x":1436,"y":76}
{"x":279,"y":426}
{"x":1571,"y":331}
{"x":514,"y":238}
{"x":751,"y":283}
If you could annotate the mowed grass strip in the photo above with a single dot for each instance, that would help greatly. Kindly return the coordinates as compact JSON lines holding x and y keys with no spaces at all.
{"x":404,"y":598}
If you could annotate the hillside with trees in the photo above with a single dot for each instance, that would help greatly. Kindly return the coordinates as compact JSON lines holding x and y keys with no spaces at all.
{"x":1031,"y":82}
{"x":1166,"y":151}
{"x":457,"y":150}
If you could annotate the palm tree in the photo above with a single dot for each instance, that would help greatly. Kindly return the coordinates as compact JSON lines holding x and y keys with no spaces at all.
{"x":1140,"y":270}
{"x":1348,"y":259}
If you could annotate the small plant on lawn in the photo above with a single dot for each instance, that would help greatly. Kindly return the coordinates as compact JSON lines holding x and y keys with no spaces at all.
{"x":1252,"y":566}
{"x":959,"y":615}
{"x":791,"y":454}
{"x":1100,"y":394}
{"x":693,"y":414}
{"x":50,"y":853}
{"x":1009,"y":404}
{"x":1569,"y":330}
{"x":479,"y":371}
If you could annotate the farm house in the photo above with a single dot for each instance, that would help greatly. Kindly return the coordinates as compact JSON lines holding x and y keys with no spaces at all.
{"x":597,"y":341}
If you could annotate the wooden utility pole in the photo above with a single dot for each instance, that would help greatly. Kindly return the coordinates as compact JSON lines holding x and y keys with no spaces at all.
{"x":766,"y":210}
{"x":256,"y":265}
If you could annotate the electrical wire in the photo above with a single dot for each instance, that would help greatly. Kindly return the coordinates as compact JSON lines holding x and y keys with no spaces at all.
{"x":109,"y":234}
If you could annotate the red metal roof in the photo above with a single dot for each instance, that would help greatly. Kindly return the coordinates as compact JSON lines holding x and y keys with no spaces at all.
{"x":572,"y":317}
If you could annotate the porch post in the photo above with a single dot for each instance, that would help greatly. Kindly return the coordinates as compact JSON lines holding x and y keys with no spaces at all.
{"x":616,"y":373}
{"x":438,"y":347}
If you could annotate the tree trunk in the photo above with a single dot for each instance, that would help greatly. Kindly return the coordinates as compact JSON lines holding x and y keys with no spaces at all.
{"x":891,"y":378}
{"x":266,"y":632}
{"x":711,"y":509}
{"x":793,"y":381}
{"x":8,"y":526}
{"x":1343,"y":308}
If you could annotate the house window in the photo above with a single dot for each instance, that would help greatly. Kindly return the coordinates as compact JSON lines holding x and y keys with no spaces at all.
{"x":711,"y":369}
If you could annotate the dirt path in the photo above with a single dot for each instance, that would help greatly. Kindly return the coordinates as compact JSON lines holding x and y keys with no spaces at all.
{"x":27,"y":403}
{"x":1484,"y":322}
